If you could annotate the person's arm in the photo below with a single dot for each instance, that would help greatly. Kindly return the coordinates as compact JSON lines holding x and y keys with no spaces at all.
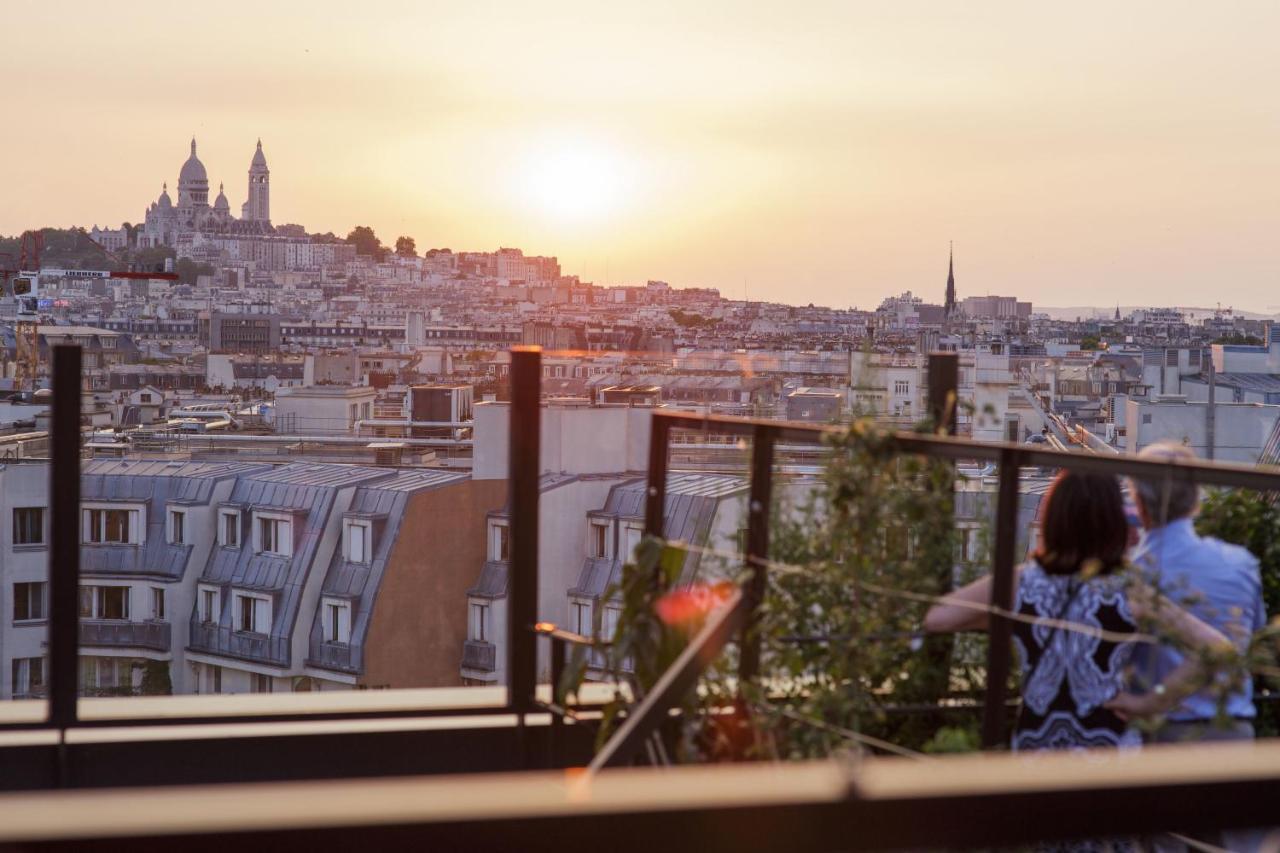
{"x":963,"y":610}
{"x":1203,"y":641}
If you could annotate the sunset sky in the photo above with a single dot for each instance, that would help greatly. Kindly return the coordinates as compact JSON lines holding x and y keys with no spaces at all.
{"x":1077,"y":154}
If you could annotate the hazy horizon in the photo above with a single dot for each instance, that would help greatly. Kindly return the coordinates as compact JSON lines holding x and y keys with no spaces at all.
{"x":823,"y":153}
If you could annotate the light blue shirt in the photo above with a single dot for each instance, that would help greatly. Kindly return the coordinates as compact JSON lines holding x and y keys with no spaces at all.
{"x":1221,"y":585}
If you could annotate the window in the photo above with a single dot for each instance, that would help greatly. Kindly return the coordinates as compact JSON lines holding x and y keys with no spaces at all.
{"x":28,"y":525}
{"x":580,"y":617}
{"x":631,"y":536}
{"x":599,"y":544}
{"x":144,"y":397}
{"x":610,"y":625}
{"x":336,"y":616}
{"x":229,"y":528}
{"x":259,"y":683}
{"x":104,"y":602}
{"x":253,"y":613}
{"x":499,"y":542}
{"x":157,"y":602}
{"x":359,"y":541}
{"x":107,"y":525}
{"x":97,"y":673}
{"x":214,"y":679}
{"x":275,"y":535}
{"x":28,"y":677}
{"x":901,"y":387}
{"x":210,"y":603}
{"x":29,"y":601}
{"x":479,"y":627}
{"x":177,"y":527}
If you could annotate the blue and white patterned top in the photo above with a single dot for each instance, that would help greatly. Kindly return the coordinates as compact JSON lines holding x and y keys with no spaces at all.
{"x":1067,"y":674}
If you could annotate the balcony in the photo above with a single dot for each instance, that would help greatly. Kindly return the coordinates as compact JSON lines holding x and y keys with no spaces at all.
{"x":156,"y":636}
{"x":339,"y":656}
{"x":479,"y":655}
{"x":929,"y":801}
{"x":222,"y":640}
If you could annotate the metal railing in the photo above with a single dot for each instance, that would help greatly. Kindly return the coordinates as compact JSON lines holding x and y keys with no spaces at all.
{"x":144,"y":635}
{"x":479,"y":655}
{"x":522,"y":701}
{"x":738,"y":615}
{"x":224,"y":640}
{"x":340,"y":656}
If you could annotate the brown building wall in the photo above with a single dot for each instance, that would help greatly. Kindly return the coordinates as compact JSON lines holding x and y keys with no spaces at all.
{"x":420,"y":615}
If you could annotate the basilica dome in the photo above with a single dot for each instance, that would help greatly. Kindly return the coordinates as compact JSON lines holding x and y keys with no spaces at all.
{"x":193,"y":170}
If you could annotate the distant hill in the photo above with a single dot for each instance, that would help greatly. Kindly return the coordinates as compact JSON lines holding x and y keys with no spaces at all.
{"x":1089,"y":312}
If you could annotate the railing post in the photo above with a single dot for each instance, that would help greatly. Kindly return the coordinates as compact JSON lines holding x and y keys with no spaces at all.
{"x":64,"y":545}
{"x":655,"y":499}
{"x":558,"y":651}
{"x":522,"y":570}
{"x":943,"y":391}
{"x":759,"y":501}
{"x":1000,"y":635}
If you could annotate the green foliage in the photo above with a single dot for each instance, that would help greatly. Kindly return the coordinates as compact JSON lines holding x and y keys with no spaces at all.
{"x":188,"y":270}
{"x":366,"y":242}
{"x":690,"y":320}
{"x":155,"y":679}
{"x":1252,"y":520}
{"x":1090,"y":342}
{"x":954,"y":739}
{"x":836,"y":650}
{"x":406,"y":247}
{"x":1239,"y":339}
{"x":873,"y":526}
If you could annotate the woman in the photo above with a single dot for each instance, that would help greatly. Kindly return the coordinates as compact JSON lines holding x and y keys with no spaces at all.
{"x":1076,"y":623}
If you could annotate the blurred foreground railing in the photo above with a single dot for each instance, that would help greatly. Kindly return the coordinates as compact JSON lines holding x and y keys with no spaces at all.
{"x":952,"y":803}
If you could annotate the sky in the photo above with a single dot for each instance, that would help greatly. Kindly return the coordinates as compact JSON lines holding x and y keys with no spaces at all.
{"x":1076,"y":154}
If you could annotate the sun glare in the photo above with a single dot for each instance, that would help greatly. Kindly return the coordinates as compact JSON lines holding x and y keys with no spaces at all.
{"x":575,"y":179}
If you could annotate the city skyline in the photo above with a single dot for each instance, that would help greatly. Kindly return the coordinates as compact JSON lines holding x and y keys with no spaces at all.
{"x":1066,"y":158}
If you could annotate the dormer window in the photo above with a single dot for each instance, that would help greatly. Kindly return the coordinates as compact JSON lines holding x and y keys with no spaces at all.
{"x":252,"y":613}
{"x":177,"y":527}
{"x":112,"y":525}
{"x":499,"y":541}
{"x":358,"y":540}
{"x":273,"y":534}
{"x":229,"y":528}
{"x":335,"y":615}
{"x":599,"y":542}
{"x":631,"y":536}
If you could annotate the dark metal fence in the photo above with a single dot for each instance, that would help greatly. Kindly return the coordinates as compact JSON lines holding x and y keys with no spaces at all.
{"x":524,"y":634}
{"x":143,"y":635}
{"x":738,"y":614}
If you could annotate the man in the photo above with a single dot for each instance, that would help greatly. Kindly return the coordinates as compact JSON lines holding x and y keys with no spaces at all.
{"x":1218,"y":582}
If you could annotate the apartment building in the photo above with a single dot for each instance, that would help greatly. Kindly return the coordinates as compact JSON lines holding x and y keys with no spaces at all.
{"x":200,"y":577}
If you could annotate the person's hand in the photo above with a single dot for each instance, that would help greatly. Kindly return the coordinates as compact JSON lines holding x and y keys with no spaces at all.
{"x":1127,"y":706}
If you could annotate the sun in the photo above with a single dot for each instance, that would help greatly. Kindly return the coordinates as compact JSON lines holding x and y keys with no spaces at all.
{"x":576,"y":179}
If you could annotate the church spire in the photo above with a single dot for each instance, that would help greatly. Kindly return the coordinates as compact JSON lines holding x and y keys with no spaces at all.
{"x":950,"y":305}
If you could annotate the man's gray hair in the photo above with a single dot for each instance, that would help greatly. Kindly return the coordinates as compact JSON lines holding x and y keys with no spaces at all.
{"x":1166,"y":499}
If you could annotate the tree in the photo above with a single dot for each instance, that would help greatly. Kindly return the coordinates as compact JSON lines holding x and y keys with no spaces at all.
{"x":366,"y":242}
{"x":188,"y":270}
{"x":1239,"y":339}
{"x":1251,"y":520}
{"x":1090,"y":342}
{"x":406,"y":247}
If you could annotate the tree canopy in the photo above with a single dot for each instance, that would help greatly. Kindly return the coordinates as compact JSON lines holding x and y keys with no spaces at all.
{"x":366,"y":242}
{"x":406,"y":247}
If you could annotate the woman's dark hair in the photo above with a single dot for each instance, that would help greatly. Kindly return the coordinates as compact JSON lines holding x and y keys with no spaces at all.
{"x":1082,"y":525}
